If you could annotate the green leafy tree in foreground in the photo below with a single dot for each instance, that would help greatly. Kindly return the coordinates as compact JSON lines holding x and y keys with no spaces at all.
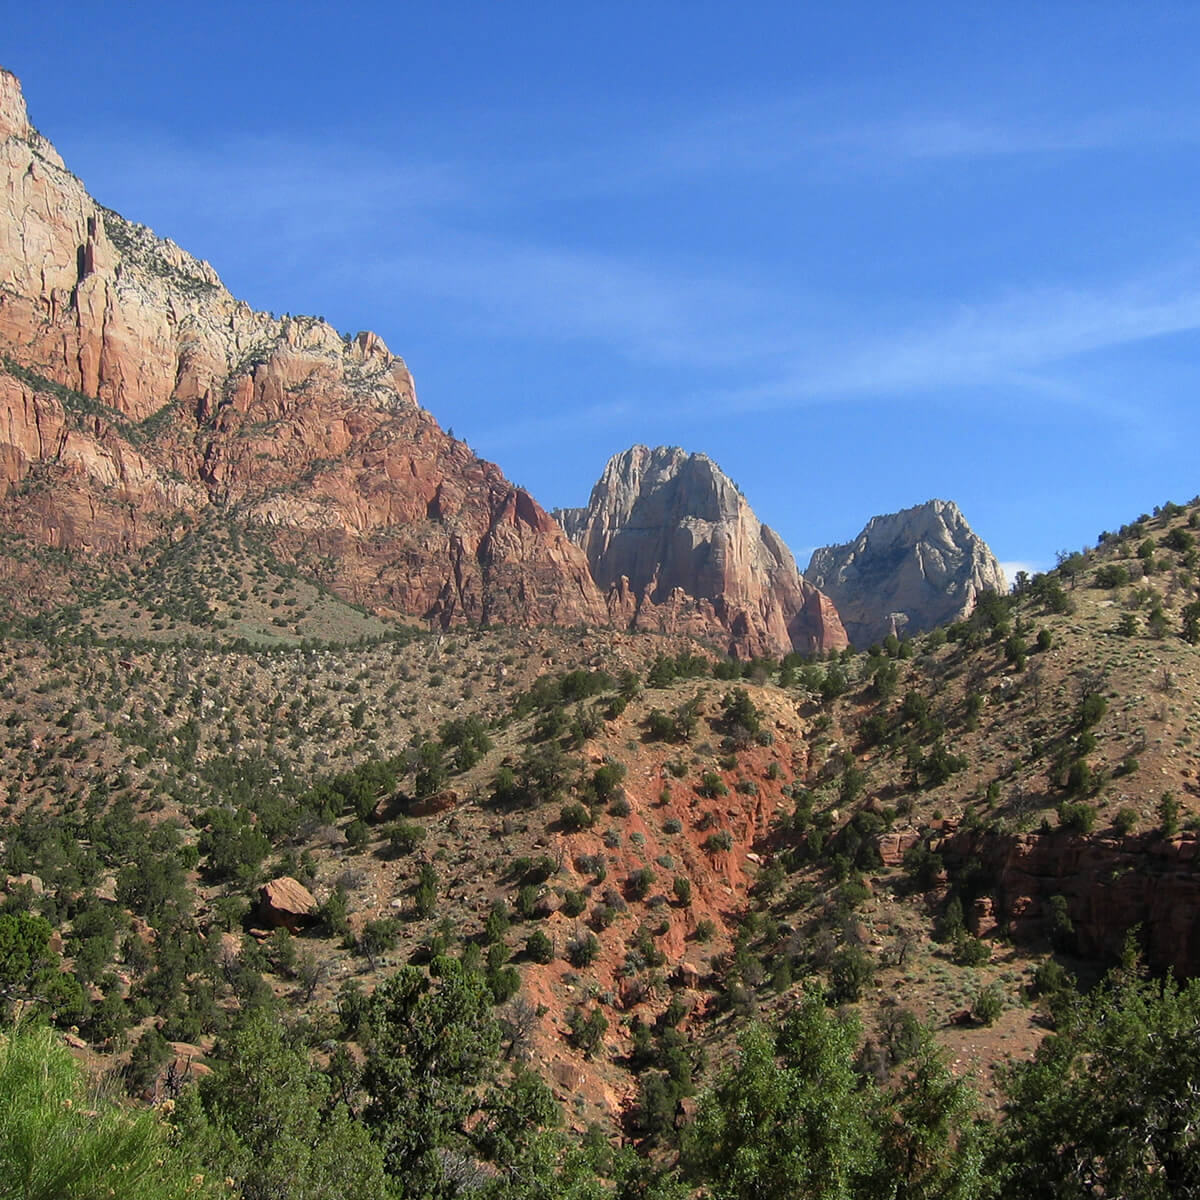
{"x":793,"y":1119}
{"x":1110,"y":1105}
{"x":267,"y":1119}
{"x":434,"y":1048}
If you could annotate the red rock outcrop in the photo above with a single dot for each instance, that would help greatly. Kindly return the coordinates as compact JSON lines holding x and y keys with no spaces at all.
{"x":285,"y":903}
{"x":677,"y":549}
{"x":1110,"y":884}
{"x":134,"y":387}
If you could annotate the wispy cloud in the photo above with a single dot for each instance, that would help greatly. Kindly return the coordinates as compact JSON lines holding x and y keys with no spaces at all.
{"x":653,"y":314}
{"x":823,"y":132}
{"x":1024,"y":342}
{"x":1012,"y":568}
{"x":439,"y":226}
{"x":286,"y":192}
{"x":1016,"y":333}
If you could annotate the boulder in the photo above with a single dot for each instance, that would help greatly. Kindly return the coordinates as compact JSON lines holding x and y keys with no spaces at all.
{"x":430,"y":806}
{"x":285,"y":903}
{"x":893,"y":846}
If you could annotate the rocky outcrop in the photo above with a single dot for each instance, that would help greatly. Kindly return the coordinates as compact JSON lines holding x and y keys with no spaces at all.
{"x":285,"y":903}
{"x":135,"y":388}
{"x":1111,"y":886}
{"x":676,"y":547}
{"x":906,"y":572}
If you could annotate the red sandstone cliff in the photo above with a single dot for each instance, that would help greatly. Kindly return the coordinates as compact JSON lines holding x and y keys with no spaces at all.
{"x":678,"y":549}
{"x":1112,"y":886}
{"x":134,"y":387}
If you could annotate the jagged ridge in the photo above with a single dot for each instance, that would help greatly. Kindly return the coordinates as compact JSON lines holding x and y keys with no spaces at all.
{"x":907,"y":572}
{"x":135,"y":389}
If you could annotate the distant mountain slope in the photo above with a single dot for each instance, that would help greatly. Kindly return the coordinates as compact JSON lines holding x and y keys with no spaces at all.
{"x":906,"y":572}
{"x":677,"y":548}
{"x":134,"y":389}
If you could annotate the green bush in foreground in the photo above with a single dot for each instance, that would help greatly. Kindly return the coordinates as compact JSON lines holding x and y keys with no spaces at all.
{"x":60,"y":1140}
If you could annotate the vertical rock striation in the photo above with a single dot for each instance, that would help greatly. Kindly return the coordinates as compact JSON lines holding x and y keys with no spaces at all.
{"x":134,"y":388}
{"x":676,"y":547}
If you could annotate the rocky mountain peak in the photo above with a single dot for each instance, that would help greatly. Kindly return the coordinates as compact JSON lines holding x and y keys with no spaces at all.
{"x":907,"y":572}
{"x":671,"y":539}
{"x":14,"y":119}
{"x":135,"y":390}
{"x":654,"y":483}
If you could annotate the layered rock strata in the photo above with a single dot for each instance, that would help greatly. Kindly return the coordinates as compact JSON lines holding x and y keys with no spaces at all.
{"x":907,"y":572}
{"x":1112,"y":887}
{"x":675,"y":546}
{"x":134,"y":389}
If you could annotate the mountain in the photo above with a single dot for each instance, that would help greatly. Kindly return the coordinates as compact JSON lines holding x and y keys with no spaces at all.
{"x":907,"y":572}
{"x":589,"y":852}
{"x":676,"y":547}
{"x":135,"y":392}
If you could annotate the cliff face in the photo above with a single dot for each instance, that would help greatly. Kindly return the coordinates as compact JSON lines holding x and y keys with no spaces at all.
{"x":676,"y":548}
{"x":1112,"y":886}
{"x":134,"y":387}
{"x":907,"y":572}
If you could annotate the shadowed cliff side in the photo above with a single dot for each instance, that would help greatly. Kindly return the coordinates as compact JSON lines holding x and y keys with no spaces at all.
{"x":907,"y":572}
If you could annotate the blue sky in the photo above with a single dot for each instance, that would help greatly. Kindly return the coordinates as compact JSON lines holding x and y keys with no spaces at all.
{"x":861,"y":255}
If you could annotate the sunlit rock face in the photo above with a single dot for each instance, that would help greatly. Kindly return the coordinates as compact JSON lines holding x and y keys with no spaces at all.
{"x":907,"y":572}
{"x":135,"y":390}
{"x":675,"y":546}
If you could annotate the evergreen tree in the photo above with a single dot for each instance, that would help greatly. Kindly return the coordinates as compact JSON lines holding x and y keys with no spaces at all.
{"x":434,"y":1047}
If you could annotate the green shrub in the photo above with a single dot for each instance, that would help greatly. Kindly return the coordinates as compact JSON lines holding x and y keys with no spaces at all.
{"x":989,"y":1004}
{"x":1091,"y":709}
{"x":539,"y":948}
{"x":526,"y":900}
{"x":582,"y":949}
{"x":637,"y":886}
{"x":1077,"y":817}
{"x":719,"y":842}
{"x":1062,"y":928}
{"x":620,"y":807}
{"x":1052,"y":979}
{"x":496,"y":924}
{"x":850,"y":971}
{"x":1080,"y":781}
{"x":575,"y":817}
{"x":587,"y":1031}
{"x":606,"y":782}
{"x":1111,"y":575}
{"x":503,"y":983}
{"x":1168,"y":814}
{"x":970,"y":951}
{"x":1125,"y":820}
{"x":425,"y":894}
{"x":403,"y":837}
